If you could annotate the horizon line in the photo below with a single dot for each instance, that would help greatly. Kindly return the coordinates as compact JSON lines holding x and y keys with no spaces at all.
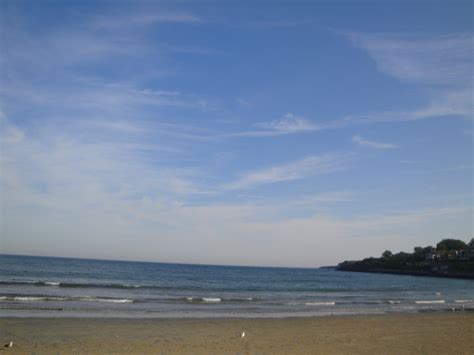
{"x":164,"y":262}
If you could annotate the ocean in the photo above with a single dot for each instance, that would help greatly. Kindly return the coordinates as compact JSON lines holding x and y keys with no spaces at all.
{"x":65,"y":287}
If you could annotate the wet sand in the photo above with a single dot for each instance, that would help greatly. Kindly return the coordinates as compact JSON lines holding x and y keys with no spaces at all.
{"x":449,"y":333}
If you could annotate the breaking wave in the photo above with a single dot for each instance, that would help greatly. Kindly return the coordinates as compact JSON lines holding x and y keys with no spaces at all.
{"x":320,"y":303}
{"x":430,"y":302}
{"x":23,"y":298}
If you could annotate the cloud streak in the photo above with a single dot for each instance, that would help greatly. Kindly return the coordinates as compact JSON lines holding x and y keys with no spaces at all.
{"x":300,"y":169}
{"x":420,"y":59}
{"x":145,"y":19}
{"x":372,"y":144}
{"x":288,"y":124}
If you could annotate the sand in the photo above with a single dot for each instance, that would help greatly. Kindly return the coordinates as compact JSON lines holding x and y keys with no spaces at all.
{"x":450,"y":333}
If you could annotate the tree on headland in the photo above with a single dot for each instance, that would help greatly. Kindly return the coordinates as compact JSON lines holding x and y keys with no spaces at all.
{"x":451,"y":244}
{"x":418,"y":252}
{"x":450,"y":258}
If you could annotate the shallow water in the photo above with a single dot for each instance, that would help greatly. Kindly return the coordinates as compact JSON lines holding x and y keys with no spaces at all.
{"x":42,"y":286}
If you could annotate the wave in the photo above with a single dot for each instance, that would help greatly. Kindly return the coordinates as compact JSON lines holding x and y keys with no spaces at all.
{"x":40,"y":297}
{"x":320,"y":303}
{"x":203,"y":299}
{"x":463,"y":301}
{"x":72,"y":284}
{"x":430,"y":302}
{"x":394,"y":302}
{"x":211,"y":299}
{"x":33,"y":298}
{"x":114,"y":300}
{"x":36,"y":298}
{"x":216,"y":299}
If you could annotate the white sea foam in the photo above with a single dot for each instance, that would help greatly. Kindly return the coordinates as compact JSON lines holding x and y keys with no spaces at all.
{"x":462,"y":301}
{"x":211,"y":299}
{"x":52,"y":283}
{"x":430,"y":302}
{"x":54,"y":298}
{"x":204,"y":299}
{"x":394,"y":302}
{"x":320,"y":303}
{"x":38,"y":298}
{"x":26,"y":299}
{"x":109,"y":300}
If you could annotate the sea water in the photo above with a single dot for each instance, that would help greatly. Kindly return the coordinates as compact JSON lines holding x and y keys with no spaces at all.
{"x":65,"y":287}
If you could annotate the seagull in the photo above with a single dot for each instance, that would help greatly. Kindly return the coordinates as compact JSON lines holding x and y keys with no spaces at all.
{"x":9,"y":345}
{"x":242,"y":335}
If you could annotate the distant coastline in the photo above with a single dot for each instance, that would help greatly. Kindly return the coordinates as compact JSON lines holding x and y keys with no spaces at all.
{"x":354,"y":267}
{"x":451,"y":258}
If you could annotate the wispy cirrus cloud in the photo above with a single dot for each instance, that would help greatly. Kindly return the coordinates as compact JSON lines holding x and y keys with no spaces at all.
{"x":373,"y":144}
{"x":300,"y":169}
{"x":111,"y":38}
{"x":454,"y":103}
{"x":72,"y":164}
{"x":145,"y":19}
{"x":275,"y":24}
{"x":288,"y":124}
{"x":450,"y":103}
{"x":443,"y":59}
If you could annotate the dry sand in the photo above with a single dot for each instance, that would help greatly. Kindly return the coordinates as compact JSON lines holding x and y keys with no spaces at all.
{"x":388,"y":334}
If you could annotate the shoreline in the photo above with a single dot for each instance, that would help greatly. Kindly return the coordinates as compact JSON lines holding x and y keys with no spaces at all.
{"x":243,"y":317}
{"x":392,"y":333}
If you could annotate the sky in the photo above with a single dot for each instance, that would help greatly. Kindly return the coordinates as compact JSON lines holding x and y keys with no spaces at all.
{"x":285,"y":133}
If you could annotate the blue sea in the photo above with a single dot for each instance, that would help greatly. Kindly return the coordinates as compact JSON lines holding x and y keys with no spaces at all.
{"x":64,"y":287}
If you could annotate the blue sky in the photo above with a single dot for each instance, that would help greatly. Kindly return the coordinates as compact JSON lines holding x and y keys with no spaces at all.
{"x":253,"y":133}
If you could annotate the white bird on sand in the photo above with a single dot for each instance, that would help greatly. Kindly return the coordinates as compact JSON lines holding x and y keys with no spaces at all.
{"x":242,"y":335}
{"x":9,"y":345}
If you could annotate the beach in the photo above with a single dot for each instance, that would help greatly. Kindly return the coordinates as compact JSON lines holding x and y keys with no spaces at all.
{"x":443,"y":333}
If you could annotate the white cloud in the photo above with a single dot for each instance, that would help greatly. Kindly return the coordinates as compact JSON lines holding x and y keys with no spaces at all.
{"x":372,"y":144}
{"x":309,"y":166}
{"x":288,"y":124}
{"x":153,"y":17}
{"x":47,"y":166}
{"x":262,"y":24}
{"x":455,"y":102}
{"x":325,"y":198}
{"x":418,"y":59}
{"x":452,"y":103}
